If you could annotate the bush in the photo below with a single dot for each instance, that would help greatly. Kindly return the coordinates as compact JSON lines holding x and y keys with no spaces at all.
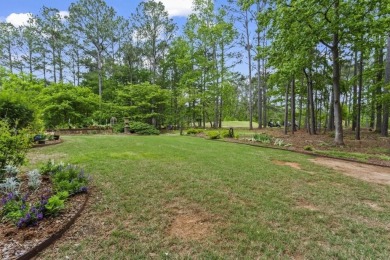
{"x":263,"y":138}
{"x":143,"y":129}
{"x":13,"y":146}
{"x":51,"y":167}
{"x":119,"y":127}
{"x":214,"y":135}
{"x":54,"y":205}
{"x":194,"y":131}
{"x":70,"y":179}
{"x":308,"y":148}
{"x":225,"y":134}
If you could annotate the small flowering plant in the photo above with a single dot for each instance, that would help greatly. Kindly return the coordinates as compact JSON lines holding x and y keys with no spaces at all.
{"x":13,"y":208}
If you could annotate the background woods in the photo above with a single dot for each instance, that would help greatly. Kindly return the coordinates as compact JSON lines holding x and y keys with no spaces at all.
{"x":319,"y":66}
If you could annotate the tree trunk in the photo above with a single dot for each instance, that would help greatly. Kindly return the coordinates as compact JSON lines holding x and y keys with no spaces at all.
{"x":378,"y":91}
{"x":10,"y":62}
{"x":385,"y":121}
{"x":286,"y":109}
{"x":100,"y":76}
{"x":259,"y":90}
{"x":54,"y":63}
{"x":359,"y":98}
{"x":311,"y":123}
{"x":248,"y":48}
{"x":293,"y":128}
{"x":264,"y":95}
{"x":354,"y":102}
{"x":339,"y":135}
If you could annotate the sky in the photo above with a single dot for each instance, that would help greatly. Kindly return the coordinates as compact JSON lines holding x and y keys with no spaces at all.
{"x":16,"y":11}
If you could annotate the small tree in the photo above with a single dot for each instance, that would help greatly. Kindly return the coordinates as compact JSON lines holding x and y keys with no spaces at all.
{"x":13,"y":146}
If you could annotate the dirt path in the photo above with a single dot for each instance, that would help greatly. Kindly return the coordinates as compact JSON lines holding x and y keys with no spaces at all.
{"x":370,"y":173}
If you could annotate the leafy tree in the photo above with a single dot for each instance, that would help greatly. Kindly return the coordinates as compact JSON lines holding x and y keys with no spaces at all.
{"x":144,"y":102}
{"x":13,"y":146}
{"x":65,"y":105}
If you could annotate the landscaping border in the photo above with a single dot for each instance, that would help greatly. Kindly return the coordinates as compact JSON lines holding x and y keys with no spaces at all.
{"x":53,"y":238}
{"x":47,"y":144}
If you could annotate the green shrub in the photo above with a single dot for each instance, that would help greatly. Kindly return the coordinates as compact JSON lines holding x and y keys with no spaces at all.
{"x":143,"y":129}
{"x":118,"y":127}
{"x":214,"y":135}
{"x":13,"y":146}
{"x":54,"y":205}
{"x":225,"y":133}
{"x":194,"y":131}
{"x":263,"y":138}
{"x":70,"y":179}
{"x":51,"y":167}
{"x":13,"y":208}
{"x":308,"y":148}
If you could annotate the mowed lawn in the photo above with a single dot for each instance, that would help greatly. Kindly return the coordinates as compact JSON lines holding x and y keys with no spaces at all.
{"x":178,"y":197}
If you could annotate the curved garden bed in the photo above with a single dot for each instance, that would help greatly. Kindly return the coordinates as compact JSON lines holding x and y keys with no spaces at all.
{"x":34,"y":216}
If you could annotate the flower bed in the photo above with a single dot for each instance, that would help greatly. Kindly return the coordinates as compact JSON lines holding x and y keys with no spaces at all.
{"x":37,"y":205}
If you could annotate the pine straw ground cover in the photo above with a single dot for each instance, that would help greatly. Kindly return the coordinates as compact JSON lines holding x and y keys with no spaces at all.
{"x":181,"y":197}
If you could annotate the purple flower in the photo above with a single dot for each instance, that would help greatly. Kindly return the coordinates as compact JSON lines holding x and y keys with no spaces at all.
{"x":40,"y":216}
{"x":25,"y":197}
{"x":83,"y":189}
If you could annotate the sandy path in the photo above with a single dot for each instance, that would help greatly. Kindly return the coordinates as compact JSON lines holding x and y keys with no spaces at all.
{"x":370,"y":173}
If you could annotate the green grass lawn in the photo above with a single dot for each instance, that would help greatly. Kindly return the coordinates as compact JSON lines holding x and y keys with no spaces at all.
{"x":183,"y":197}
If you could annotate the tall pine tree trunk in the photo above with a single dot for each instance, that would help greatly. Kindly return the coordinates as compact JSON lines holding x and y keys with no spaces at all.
{"x":378,"y":91}
{"x":385,"y":121}
{"x":248,"y":48}
{"x":286,"y":109}
{"x":293,"y":128}
{"x":355,"y":87}
{"x":359,"y":98}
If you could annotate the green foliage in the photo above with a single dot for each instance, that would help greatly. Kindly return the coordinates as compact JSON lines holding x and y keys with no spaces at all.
{"x":63,"y":195}
{"x":144,"y":101}
{"x":65,"y":105}
{"x":54,"y":205}
{"x":70,"y":179}
{"x":119,"y":127}
{"x":17,"y":112}
{"x":214,"y":135}
{"x":194,"y":131}
{"x":262,"y":138}
{"x":143,"y":129}
{"x":308,"y":148}
{"x":51,"y":167}
{"x":13,"y":208}
{"x":13,"y":147}
{"x":225,"y":133}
